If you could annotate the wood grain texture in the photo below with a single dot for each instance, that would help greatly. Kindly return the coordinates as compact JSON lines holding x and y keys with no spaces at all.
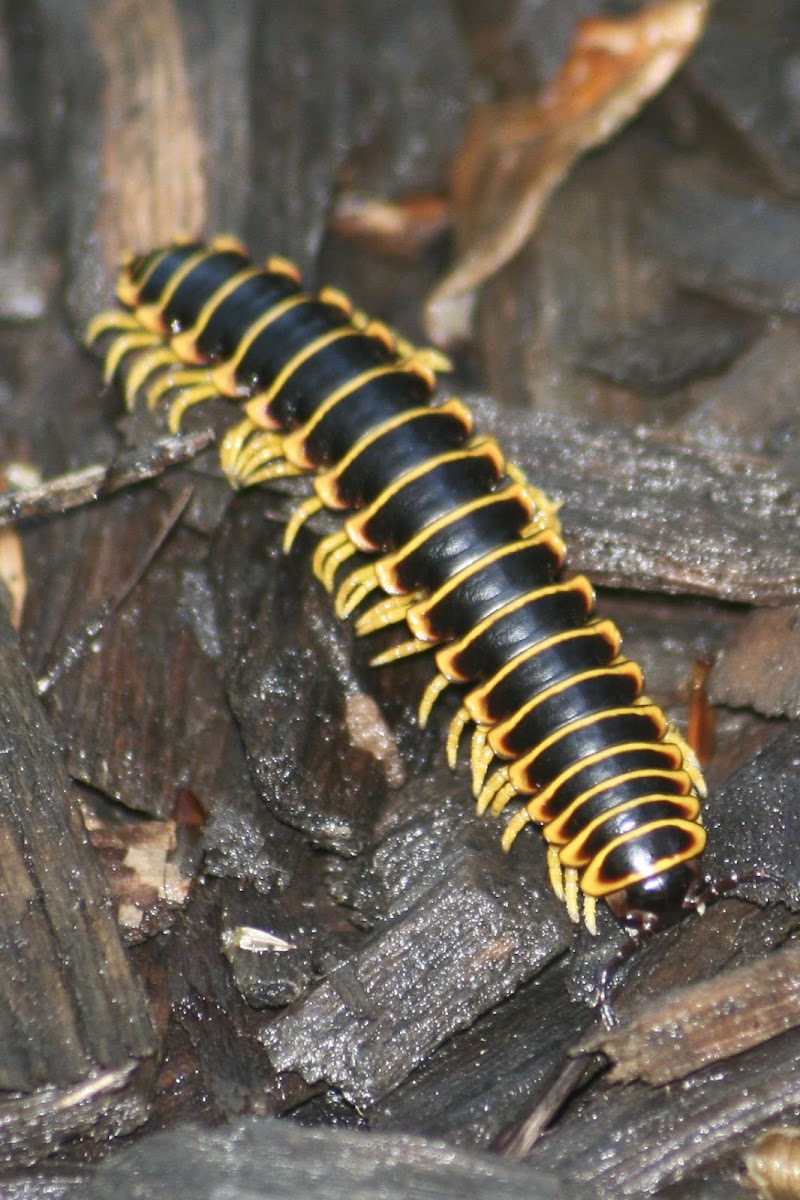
{"x":74,"y":1026}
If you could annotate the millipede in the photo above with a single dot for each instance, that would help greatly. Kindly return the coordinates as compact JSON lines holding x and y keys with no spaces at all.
{"x":437,"y":534}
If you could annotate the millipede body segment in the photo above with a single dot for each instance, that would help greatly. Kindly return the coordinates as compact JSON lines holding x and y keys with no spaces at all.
{"x":441,"y":536}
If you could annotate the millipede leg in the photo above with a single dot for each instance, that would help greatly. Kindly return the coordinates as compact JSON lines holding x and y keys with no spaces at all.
{"x":355,"y":589}
{"x":402,"y":650}
{"x":590,"y":914}
{"x":480,"y":758}
{"x":389,"y":611}
{"x":126,"y":344}
{"x":514,"y":828}
{"x":331,"y":552}
{"x":555,"y":871}
{"x":304,"y":512}
{"x":429,"y":697}
{"x":493,"y":786}
{"x":457,"y":727}
{"x":572,"y":894}
{"x":503,"y":797}
{"x":158,"y":358}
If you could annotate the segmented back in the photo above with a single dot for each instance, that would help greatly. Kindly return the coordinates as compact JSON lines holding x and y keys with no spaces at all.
{"x":438,"y":534}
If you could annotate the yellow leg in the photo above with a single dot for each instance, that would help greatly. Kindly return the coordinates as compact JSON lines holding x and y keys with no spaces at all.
{"x":231,"y":446}
{"x":503,"y":797}
{"x":113,"y":320}
{"x":395,"y":653}
{"x":429,"y":697}
{"x":572,"y":895}
{"x":555,"y":871}
{"x":331,"y":552}
{"x":137,"y":339}
{"x":491,"y":788}
{"x":545,"y":510}
{"x":590,"y":914}
{"x":514,"y":828}
{"x":277,"y":468}
{"x":301,"y":514}
{"x":482,"y":755}
{"x":389,"y":611}
{"x":190,"y":396}
{"x":355,"y":589}
{"x":160,"y":356}
{"x":457,"y":726}
{"x":427,"y":356}
{"x":259,"y":449}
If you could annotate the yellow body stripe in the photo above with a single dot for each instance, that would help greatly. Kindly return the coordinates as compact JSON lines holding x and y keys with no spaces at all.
{"x":592,"y":882}
{"x":296,"y":442}
{"x":386,"y":568}
{"x":539,"y":805}
{"x":184,"y":343}
{"x":327,"y":482}
{"x":419,"y":617}
{"x":445,"y":658}
{"x":152,"y":315}
{"x":478,"y":700}
{"x":485,"y":448}
{"x":505,"y":729}
{"x":225,"y":375}
{"x":521,"y":765}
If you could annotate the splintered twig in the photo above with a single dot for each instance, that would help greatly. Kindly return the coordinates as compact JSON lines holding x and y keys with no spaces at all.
{"x":91,"y":483}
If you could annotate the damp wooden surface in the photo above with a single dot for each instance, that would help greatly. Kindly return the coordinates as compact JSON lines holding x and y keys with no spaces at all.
{"x":308,"y":896}
{"x":77,"y":1043}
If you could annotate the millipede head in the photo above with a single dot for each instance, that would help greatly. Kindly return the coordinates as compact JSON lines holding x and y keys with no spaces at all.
{"x":660,"y":901}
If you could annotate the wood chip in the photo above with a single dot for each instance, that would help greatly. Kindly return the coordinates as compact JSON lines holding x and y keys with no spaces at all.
{"x":709,"y":1022}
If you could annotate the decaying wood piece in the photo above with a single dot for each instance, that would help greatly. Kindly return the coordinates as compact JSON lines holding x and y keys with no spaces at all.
{"x":75,"y":1031}
{"x":90,"y":483}
{"x":151,"y":143}
{"x":738,"y":533}
{"x":637,"y":1139}
{"x":391,"y":1002}
{"x":277,"y":1159}
{"x":740,"y":69}
{"x":708,"y":1022}
{"x":753,"y":818}
{"x":141,"y":151}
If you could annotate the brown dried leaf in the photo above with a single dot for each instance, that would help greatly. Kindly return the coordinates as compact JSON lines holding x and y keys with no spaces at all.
{"x":518,"y":151}
{"x":705,"y":1022}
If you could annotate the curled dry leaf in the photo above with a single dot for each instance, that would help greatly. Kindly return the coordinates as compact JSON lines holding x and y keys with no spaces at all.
{"x":518,"y":151}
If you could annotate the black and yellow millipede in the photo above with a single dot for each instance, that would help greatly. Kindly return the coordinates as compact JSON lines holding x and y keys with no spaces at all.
{"x":437,"y":533}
